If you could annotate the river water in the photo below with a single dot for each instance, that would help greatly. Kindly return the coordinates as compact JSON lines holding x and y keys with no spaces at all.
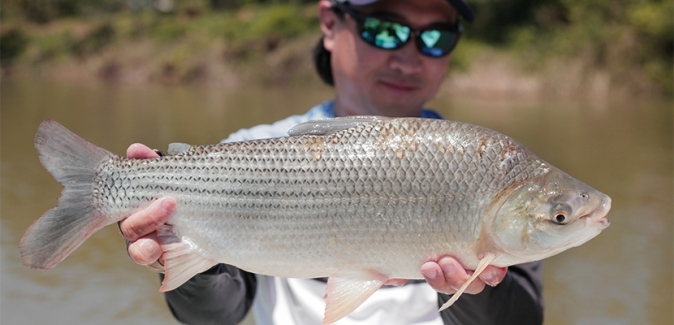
{"x":624,"y":276}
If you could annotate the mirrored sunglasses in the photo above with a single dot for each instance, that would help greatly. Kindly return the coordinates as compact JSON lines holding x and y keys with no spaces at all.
{"x":390,"y":35}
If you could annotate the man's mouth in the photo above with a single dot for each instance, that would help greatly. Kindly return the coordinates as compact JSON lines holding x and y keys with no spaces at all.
{"x":400,"y":86}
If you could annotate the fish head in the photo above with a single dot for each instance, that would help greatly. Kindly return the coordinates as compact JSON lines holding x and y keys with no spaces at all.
{"x":546,"y":215}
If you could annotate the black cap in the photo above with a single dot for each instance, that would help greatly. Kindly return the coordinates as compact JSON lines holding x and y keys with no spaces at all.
{"x":461,"y":6}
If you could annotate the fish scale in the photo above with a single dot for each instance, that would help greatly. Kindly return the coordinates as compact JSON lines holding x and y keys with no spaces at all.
{"x":359,"y":200}
{"x":352,"y":225}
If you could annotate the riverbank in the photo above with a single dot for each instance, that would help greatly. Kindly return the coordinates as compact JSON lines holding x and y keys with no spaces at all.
{"x":272,"y":45}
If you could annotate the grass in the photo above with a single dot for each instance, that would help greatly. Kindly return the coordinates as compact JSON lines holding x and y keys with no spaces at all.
{"x":273,"y":42}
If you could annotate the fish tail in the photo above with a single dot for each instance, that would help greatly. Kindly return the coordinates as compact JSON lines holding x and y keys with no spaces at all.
{"x":72,"y":161}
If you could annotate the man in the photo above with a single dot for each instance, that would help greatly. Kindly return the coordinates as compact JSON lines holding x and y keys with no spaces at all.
{"x":385,"y":57}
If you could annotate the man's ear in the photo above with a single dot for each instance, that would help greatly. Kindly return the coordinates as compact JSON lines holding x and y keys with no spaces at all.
{"x":329,"y":22}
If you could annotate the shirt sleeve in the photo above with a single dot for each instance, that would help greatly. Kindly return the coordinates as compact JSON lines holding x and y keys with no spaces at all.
{"x":221,"y":295}
{"x":518,"y":299}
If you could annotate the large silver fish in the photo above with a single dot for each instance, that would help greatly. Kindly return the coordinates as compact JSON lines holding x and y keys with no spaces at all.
{"x":359,"y":200}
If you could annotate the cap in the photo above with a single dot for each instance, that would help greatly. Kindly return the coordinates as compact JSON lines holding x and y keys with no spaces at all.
{"x":460,"y":5}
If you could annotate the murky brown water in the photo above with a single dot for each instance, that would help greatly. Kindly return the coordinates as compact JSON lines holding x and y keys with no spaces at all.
{"x":624,"y":276}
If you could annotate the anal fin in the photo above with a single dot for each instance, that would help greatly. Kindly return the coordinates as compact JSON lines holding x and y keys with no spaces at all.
{"x":347,"y":290}
{"x":181,"y":260}
{"x":484,"y":262}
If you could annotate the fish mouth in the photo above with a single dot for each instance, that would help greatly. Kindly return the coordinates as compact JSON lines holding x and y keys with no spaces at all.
{"x":600,"y":215}
{"x":603,"y":222}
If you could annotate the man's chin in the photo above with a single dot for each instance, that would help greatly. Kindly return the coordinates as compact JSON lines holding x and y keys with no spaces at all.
{"x":397,"y":109}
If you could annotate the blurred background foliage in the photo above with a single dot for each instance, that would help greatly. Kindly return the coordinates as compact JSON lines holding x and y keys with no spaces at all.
{"x":631,"y":39}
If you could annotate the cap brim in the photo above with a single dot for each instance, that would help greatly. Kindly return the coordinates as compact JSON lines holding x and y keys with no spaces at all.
{"x":461,"y":7}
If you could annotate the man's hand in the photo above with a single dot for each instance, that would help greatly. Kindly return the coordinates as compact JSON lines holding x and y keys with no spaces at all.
{"x":447,"y":275}
{"x":140,"y":228}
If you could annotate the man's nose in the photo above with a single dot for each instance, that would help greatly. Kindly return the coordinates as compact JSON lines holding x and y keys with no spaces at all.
{"x":406,"y":59}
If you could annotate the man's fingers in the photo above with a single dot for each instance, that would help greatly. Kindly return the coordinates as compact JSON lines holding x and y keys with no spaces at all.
{"x":140,"y":228}
{"x":141,"y":151}
{"x":432,"y":273}
{"x":493,"y":275}
{"x":447,"y":275}
{"x":456,"y":275}
{"x":147,"y":220}
{"x":439,"y":279}
{"x":145,"y":250}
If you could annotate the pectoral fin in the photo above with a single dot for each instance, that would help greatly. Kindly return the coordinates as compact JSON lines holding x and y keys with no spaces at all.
{"x":181,"y":260}
{"x":484,"y":262}
{"x":349,"y":289}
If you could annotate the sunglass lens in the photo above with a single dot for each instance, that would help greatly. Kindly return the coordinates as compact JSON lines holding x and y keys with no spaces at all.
{"x":384,"y":34}
{"x":437,"y":42}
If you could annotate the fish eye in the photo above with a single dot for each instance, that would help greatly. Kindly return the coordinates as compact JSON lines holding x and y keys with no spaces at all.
{"x":560,"y":218}
{"x":560,"y":214}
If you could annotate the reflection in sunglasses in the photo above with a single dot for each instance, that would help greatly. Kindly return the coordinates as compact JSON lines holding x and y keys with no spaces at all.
{"x":389,"y":35}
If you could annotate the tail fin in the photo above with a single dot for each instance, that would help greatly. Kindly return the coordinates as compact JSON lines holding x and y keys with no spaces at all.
{"x":72,"y":161}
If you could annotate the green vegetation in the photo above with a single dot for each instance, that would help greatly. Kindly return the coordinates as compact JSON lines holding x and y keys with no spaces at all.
{"x":630,"y":38}
{"x":631,"y":41}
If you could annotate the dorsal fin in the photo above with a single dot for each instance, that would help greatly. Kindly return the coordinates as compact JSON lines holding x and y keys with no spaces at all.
{"x":177,"y":148}
{"x":332,"y":125}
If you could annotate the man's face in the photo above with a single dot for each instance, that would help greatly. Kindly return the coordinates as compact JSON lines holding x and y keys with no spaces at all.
{"x":373,"y":81}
